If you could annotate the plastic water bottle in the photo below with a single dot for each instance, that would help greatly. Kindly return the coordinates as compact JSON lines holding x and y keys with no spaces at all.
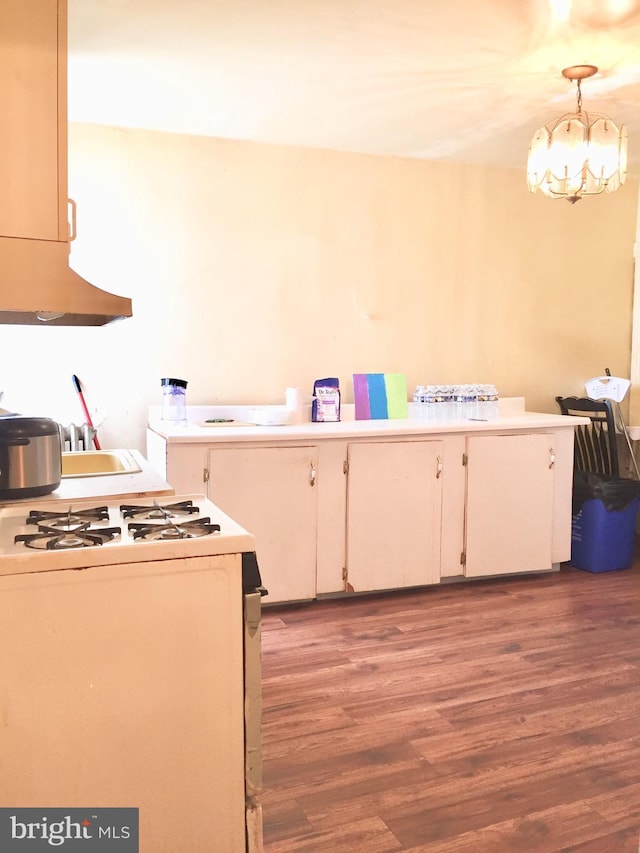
{"x":418,"y":399}
{"x":429,"y":402}
{"x":481,"y":407}
{"x":492,"y":402}
{"x":438,"y":403}
{"x":448,"y":403}
{"x":465,"y":401}
{"x":455,"y":402}
{"x":474,"y":401}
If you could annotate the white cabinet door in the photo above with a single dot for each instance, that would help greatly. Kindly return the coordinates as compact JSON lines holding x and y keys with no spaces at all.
{"x":187,"y":468}
{"x":394,"y":506}
{"x":509,"y":507}
{"x":272,"y":493}
{"x":183,"y":466}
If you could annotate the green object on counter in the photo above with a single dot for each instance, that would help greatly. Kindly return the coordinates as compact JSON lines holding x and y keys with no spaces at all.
{"x":219,"y":421}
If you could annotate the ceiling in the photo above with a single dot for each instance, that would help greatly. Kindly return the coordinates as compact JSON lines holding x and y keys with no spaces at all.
{"x":437,"y":79}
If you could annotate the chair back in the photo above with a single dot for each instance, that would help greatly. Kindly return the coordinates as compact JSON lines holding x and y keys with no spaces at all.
{"x":595,"y":446}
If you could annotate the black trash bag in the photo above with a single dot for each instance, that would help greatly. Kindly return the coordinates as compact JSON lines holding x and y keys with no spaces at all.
{"x":616,"y":493}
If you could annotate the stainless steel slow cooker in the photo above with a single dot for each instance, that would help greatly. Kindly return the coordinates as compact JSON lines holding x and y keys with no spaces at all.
{"x":30,"y":456}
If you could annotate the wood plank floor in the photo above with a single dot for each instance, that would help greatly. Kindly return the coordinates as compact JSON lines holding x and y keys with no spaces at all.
{"x":499,"y":715}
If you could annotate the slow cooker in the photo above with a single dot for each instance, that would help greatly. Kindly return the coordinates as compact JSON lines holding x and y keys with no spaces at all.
{"x":30,"y":456}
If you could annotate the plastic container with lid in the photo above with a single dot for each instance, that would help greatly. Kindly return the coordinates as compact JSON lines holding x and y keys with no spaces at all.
{"x":174,"y":400}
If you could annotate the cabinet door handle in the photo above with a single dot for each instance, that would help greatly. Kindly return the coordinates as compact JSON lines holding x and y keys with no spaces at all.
{"x":552,"y":457}
{"x":312,"y":475}
{"x":438,"y":467}
{"x":72,"y":224}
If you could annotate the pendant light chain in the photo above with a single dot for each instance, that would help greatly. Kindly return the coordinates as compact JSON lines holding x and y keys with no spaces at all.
{"x":579,"y":99}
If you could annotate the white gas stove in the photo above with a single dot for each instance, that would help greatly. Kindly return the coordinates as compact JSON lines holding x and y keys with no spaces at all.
{"x":130,"y":655}
{"x":50,"y":536}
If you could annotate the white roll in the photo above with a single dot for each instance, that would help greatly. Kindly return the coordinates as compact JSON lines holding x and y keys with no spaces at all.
{"x":293,"y":402}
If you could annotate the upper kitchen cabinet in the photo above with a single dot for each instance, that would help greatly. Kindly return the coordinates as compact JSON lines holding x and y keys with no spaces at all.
{"x":33,"y":132}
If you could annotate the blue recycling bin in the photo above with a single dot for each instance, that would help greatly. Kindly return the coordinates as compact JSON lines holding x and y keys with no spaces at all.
{"x":604,"y":514}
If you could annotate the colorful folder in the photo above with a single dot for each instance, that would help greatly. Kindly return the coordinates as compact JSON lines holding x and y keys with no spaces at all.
{"x":380,"y":395}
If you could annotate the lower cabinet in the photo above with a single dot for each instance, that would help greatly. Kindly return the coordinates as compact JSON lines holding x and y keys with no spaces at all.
{"x":272,"y":492}
{"x":509,"y":504}
{"x":359,"y":515}
{"x":394,"y":511}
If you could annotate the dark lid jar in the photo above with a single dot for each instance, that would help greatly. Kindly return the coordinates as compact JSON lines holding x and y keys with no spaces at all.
{"x":177,"y":383}
{"x":174,"y":400}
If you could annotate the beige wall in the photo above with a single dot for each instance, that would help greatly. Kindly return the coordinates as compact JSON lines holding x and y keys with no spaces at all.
{"x":255,"y":267}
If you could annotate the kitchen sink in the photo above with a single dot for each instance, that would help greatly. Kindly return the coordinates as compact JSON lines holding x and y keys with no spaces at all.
{"x":95,"y":463}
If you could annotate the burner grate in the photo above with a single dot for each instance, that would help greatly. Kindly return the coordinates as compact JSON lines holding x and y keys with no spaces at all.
{"x":173,"y":530}
{"x":68,"y":518}
{"x":80,"y":536}
{"x":181,"y":508}
{"x":65,"y":527}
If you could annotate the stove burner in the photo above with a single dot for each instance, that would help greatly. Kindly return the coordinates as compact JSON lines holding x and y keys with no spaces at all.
{"x":67,"y":519}
{"x":172,"y":531}
{"x":80,"y":536}
{"x":156,"y":511}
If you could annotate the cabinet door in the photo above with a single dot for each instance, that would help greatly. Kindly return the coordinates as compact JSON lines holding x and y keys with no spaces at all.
{"x":509,"y":505}
{"x":271,"y":492}
{"x":32,"y":99}
{"x":394,"y":507}
{"x":186,"y":468}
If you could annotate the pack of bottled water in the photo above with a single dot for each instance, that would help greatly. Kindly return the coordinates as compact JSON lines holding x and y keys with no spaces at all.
{"x":438,"y":403}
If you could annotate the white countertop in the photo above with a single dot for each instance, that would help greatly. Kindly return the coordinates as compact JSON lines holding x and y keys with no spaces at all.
{"x":513,"y":417}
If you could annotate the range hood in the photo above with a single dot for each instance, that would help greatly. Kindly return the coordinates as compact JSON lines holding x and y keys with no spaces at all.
{"x":38,"y":287}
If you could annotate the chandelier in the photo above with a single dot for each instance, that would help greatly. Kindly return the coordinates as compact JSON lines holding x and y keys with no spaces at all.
{"x":577,"y":154}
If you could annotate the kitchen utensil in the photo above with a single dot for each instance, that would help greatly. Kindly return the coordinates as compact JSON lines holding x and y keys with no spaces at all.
{"x":76,"y":383}
{"x":30,"y":456}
